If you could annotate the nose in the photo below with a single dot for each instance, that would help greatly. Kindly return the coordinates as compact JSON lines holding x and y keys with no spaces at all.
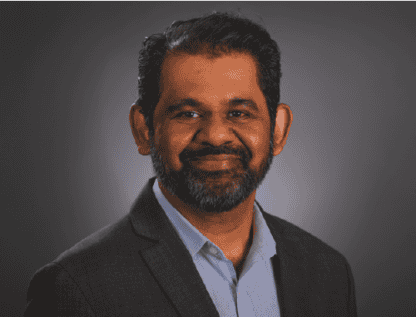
{"x":215,"y":131}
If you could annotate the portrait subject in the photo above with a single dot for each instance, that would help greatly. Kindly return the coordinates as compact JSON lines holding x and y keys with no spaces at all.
{"x":196,"y":242}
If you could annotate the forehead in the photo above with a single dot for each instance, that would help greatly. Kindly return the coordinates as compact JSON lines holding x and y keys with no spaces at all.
{"x":230,"y":74}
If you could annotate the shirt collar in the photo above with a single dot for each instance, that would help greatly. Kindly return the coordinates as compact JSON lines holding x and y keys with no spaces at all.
{"x":262,"y":248}
{"x":191,"y":237}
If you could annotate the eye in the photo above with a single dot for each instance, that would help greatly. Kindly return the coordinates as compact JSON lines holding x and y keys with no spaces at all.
{"x":187,"y":114}
{"x":239,"y":114}
{"x":194,"y":115}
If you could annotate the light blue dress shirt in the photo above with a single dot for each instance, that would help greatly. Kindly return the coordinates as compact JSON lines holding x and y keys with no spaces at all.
{"x":254,"y":293}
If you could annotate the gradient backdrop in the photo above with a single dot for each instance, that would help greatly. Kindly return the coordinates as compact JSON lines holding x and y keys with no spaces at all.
{"x":69,"y":165}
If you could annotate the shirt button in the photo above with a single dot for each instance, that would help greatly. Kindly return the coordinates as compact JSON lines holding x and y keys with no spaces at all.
{"x":213,"y":250}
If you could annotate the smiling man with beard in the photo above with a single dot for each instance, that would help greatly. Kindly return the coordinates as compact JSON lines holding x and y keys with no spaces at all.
{"x":196,"y":242}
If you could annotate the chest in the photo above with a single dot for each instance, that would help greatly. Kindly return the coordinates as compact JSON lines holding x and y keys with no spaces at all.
{"x":253,"y":293}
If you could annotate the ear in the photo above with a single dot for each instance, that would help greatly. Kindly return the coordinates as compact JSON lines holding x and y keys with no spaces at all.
{"x":139,"y":129}
{"x":284,"y":120}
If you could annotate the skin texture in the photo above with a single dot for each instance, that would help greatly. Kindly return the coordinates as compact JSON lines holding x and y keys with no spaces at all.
{"x":210,"y":148}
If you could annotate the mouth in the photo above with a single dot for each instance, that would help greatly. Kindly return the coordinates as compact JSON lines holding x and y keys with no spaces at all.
{"x":218,"y":157}
{"x":216,"y":162}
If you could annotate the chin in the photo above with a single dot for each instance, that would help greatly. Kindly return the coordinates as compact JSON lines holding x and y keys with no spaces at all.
{"x":212,"y":192}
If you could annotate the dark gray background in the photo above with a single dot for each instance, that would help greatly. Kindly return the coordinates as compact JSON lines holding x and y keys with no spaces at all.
{"x":69,"y":165}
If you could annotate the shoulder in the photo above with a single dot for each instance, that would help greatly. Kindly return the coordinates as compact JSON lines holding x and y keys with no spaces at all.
{"x":79,"y":277}
{"x":108,"y":249}
{"x":323,"y":266}
{"x":306,"y":260}
{"x":303,"y":244}
{"x":101,"y":245}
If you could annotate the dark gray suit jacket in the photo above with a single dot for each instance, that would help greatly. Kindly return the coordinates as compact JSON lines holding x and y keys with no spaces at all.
{"x":140,"y":267}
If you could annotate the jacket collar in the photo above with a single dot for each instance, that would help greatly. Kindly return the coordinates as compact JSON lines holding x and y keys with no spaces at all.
{"x":147,"y":216}
{"x":168,"y":259}
{"x":290,"y":270}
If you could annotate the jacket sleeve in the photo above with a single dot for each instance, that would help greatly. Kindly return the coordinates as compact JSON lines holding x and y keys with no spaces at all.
{"x":352,"y":305}
{"x":52,"y":292}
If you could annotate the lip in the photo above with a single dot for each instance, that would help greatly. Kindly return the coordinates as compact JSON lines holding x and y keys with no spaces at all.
{"x":216,"y":162}
{"x":220,"y":157}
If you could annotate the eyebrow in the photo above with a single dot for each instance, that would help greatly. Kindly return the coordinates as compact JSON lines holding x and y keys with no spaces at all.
{"x":190,"y":102}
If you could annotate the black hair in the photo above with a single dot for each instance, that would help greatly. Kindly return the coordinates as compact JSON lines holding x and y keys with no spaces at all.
{"x":217,"y":34}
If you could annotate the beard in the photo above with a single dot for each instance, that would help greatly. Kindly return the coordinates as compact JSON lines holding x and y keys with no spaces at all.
{"x":206,"y":191}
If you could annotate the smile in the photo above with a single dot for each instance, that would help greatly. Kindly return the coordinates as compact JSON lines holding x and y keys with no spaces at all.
{"x":218,"y":157}
{"x":216,"y":162}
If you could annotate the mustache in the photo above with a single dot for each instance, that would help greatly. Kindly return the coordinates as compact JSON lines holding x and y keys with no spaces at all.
{"x":187,"y":155}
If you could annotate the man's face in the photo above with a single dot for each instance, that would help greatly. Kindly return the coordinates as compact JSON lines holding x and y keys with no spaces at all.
{"x":212,"y":140}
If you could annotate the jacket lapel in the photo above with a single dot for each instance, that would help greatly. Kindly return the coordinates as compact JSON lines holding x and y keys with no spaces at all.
{"x":289,"y":271}
{"x":168,"y":259}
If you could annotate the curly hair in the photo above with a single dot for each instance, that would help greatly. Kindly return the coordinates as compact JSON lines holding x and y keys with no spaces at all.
{"x":214,"y":34}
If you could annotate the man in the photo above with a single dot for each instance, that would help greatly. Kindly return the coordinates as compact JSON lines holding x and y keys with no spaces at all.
{"x":196,"y":243}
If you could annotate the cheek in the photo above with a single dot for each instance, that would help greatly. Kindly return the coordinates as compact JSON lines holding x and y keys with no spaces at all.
{"x":173,"y":140}
{"x":258,"y":141}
